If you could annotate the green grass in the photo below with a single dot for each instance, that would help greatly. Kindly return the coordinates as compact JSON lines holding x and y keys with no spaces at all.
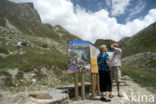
{"x":8,"y":81}
{"x":3,"y":50}
{"x":2,"y":22}
{"x":34,"y":57}
{"x":144,"y":77}
{"x":152,"y":62}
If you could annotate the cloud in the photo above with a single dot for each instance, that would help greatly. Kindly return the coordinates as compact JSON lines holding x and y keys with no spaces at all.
{"x":137,"y":9}
{"x":89,"y":25}
{"x":119,"y":7}
{"x":138,"y":24}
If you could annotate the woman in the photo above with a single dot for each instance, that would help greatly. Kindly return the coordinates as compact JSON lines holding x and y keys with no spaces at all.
{"x":104,"y":73}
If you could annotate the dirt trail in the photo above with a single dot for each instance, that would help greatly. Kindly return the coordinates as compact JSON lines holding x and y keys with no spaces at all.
{"x":133,"y":94}
{"x":129,"y":90}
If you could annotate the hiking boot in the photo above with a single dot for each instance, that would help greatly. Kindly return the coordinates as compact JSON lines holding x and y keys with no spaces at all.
{"x":120,"y":95}
{"x":110,"y":95}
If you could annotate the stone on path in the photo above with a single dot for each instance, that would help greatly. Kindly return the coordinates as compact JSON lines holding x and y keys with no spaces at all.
{"x":39,"y":95}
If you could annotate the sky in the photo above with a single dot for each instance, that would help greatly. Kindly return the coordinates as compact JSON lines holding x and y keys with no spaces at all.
{"x":97,"y":19}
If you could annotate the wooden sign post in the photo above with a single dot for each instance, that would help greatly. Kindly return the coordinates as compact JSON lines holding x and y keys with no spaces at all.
{"x":76,"y":86}
{"x":82,"y":85}
{"x":98,"y":84}
{"x":93,"y":84}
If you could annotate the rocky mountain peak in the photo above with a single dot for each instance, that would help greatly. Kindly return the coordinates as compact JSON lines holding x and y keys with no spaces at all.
{"x":24,"y":12}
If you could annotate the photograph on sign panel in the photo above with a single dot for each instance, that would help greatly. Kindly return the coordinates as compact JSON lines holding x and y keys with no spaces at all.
{"x":79,"y":57}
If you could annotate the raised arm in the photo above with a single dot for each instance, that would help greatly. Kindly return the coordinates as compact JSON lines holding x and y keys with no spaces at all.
{"x":112,"y":47}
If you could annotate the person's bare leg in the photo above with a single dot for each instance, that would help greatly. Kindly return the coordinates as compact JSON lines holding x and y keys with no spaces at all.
{"x":118,"y":89}
{"x":102,"y":95}
{"x":107,"y":95}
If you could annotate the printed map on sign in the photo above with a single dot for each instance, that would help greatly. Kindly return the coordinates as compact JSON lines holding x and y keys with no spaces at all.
{"x":79,"y":56}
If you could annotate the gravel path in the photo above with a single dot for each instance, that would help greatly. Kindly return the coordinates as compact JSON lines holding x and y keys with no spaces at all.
{"x":133,"y":94}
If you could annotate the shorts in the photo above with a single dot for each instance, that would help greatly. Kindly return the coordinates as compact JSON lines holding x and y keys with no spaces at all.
{"x":116,"y":73}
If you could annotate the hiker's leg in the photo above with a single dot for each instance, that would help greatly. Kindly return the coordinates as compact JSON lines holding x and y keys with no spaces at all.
{"x":112,"y":77}
{"x":107,"y":95}
{"x":118,"y":87}
{"x":119,"y":80}
{"x":101,"y":94}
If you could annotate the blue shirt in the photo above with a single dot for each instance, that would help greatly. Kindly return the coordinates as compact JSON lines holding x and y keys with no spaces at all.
{"x":102,"y":58}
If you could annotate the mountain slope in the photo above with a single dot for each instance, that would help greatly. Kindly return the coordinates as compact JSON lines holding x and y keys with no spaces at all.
{"x":143,"y":41}
{"x":47,"y":50}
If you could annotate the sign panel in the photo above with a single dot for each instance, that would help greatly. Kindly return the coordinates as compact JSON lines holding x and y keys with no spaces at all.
{"x":79,"y":56}
{"x":82,"y":56}
{"x":93,"y":58}
{"x":110,"y":53}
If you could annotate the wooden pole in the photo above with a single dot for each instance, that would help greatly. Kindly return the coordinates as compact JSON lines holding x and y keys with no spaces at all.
{"x":82,"y":85}
{"x":98,"y":84}
{"x":76,"y":87}
{"x":93,"y":84}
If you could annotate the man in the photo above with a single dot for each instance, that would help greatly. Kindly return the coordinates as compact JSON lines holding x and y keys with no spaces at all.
{"x":116,"y":67}
{"x":18,"y":45}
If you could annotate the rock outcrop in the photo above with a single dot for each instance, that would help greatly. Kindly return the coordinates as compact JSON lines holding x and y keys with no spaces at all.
{"x":145,"y":60}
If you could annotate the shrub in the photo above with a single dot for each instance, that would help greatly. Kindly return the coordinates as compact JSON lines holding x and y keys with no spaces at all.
{"x":45,"y":46}
{"x":8,"y":81}
{"x":19,"y":75}
{"x":3,"y":50}
{"x":24,"y":43}
{"x":2,"y":22}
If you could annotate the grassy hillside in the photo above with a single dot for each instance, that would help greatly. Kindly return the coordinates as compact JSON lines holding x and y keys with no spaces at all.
{"x":143,"y":41}
{"x":47,"y":50}
{"x":145,"y":78}
{"x":46,"y":56}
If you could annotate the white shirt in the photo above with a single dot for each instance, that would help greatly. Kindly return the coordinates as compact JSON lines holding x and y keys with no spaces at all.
{"x":18,"y":43}
{"x":116,"y":59}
